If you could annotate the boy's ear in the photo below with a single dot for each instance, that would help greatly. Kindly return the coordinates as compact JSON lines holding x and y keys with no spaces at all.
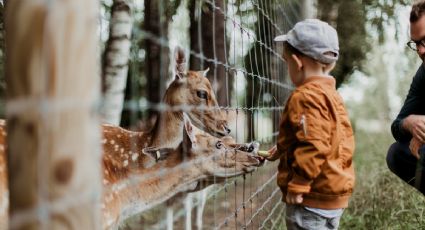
{"x":298,"y":61}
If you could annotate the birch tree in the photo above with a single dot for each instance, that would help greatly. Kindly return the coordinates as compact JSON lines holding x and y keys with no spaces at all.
{"x":115,"y":62}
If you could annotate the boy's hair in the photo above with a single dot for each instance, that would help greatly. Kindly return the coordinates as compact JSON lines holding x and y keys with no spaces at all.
{"x":418,"y":10}
{"x":291,"y":50}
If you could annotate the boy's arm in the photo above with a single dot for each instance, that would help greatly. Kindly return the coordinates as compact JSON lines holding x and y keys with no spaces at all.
{"x":311,"y":122}
{"x":273,"y":154}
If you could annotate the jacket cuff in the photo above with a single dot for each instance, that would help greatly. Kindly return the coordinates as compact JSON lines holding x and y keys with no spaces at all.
{"x":401,"y":129}
{"x":299,"y":185}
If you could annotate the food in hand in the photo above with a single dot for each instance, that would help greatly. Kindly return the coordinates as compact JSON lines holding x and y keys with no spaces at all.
{"x":263,"y":153}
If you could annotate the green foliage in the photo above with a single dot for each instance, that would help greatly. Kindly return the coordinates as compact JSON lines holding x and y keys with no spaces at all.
{"x":352,"y":18}
{"x":171,"y":7}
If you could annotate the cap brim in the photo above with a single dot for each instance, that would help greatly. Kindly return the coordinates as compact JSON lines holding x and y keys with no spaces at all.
{"x":281,"y":38}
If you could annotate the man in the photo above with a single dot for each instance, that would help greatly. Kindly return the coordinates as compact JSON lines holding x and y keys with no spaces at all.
{"x":406,"y":156}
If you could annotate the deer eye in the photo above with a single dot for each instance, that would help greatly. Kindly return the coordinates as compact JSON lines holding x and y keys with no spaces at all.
{"x":219,"y":145}
{"x":202,"y":94}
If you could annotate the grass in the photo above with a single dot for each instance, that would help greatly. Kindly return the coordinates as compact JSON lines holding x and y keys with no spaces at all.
{"x":381,"y":200}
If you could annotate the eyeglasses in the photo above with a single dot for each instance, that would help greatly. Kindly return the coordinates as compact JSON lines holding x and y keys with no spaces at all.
{"x":414,"y":45}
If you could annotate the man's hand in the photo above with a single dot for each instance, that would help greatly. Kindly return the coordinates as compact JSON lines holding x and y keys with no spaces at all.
{"x":294,"y":198}
{"x":273,"y":154}
{"x":415,"y":124}
{"x":414,"y":146}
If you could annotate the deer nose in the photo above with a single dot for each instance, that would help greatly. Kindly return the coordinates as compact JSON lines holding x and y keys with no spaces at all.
{"x":227,"y":129}
{"x":253,"y":146}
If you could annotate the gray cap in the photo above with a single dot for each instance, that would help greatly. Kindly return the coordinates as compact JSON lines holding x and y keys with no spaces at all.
{"x":314,"y":38}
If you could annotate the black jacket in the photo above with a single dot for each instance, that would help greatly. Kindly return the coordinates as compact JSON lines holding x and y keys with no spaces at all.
{"x":414,"y":104}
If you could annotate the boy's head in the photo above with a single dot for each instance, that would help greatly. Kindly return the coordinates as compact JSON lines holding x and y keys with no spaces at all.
{"x":312,"y":45}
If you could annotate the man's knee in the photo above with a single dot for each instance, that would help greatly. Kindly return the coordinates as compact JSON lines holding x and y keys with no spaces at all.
{"x":391,"y":162}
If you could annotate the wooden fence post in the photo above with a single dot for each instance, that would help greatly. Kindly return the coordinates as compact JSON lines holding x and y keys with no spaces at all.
{"x":53,"y":87}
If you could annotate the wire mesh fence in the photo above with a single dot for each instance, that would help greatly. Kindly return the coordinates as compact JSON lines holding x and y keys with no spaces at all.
{"x":249,"y":79}
{"x":234,"y":40}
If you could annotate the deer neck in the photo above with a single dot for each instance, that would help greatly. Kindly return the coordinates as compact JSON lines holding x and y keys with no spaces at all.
{"x":167,"y":131}
{"x":148,"y":193}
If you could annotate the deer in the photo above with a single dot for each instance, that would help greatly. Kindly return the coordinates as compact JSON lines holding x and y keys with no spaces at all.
{"x":120,"y":203}
{"x":189,"y":88}
{"x":199,"y":156}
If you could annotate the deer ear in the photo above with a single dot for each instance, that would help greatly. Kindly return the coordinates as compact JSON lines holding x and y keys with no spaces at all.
{"x":205,"y":72}
{"x":180,"y":60}
{"x":189,"y":137}
{"x":157,"y":153}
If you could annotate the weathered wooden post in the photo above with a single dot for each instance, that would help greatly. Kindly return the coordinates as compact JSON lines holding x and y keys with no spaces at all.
{"x":52,"y":74}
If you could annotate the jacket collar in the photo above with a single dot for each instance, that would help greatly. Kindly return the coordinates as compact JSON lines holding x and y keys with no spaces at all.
{"x":329,"y":81}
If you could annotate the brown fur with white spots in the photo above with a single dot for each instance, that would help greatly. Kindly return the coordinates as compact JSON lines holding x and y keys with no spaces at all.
{"x":122,"y":148}
{"x":206,"y":157}
{"x":240,"y":158}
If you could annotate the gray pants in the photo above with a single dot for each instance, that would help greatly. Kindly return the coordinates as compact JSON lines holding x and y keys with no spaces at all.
{"x":299,"y":218}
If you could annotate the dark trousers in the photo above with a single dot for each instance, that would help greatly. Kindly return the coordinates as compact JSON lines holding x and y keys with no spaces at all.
{"x":402,"y":163}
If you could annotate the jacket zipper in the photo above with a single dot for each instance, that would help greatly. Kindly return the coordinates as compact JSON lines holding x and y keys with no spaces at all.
{"x":303,"y":123}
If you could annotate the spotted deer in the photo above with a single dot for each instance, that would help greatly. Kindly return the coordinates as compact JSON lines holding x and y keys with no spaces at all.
{"x":208,"y":154}
{"x":198,"y":157}
{"x":189,"y":88}
{"x":124,"y":147}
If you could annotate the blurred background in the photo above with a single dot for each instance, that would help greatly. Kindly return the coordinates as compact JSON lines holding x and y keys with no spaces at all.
{"x":233,"y":38}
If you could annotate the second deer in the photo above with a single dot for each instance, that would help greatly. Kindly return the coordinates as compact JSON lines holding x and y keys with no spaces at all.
{"x":198,"y":157}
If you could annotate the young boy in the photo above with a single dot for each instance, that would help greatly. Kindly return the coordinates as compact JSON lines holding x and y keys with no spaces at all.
{"x":315,"y":143}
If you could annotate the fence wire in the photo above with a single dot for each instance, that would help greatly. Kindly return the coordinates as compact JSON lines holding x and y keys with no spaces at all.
{"x":255,"y":90}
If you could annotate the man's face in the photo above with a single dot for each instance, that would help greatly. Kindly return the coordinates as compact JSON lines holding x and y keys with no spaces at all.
{"x":417,"y":33}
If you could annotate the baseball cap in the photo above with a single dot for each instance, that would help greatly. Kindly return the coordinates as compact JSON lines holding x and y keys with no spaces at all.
{"x":314,"y":38}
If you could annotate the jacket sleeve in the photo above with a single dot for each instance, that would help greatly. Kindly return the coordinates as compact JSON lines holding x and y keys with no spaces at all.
{"x":312,"y":124}
{"x":411,"y":106}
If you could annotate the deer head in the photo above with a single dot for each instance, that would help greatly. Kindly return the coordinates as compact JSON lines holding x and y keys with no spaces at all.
{"x":194,"y":89}
{"x":220,"y":159}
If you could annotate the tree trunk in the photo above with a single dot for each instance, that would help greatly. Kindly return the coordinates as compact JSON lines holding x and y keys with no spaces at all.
{"x":53,"y":133}
{"x":2,"y":61}
{"x":157,"y":56}
{"x":207,"y":36}
{"x":115,"y":62}
{"x":309,"y":9}
{"x":257,"y":63}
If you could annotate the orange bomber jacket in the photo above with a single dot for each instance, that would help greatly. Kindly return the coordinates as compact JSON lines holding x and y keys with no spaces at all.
{"x":316,"y":146}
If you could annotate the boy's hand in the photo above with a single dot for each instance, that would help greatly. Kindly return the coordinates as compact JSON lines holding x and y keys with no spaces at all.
{"x":294,"y":198}
{"x":414,"y":147}
{"x":273,"y":154}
